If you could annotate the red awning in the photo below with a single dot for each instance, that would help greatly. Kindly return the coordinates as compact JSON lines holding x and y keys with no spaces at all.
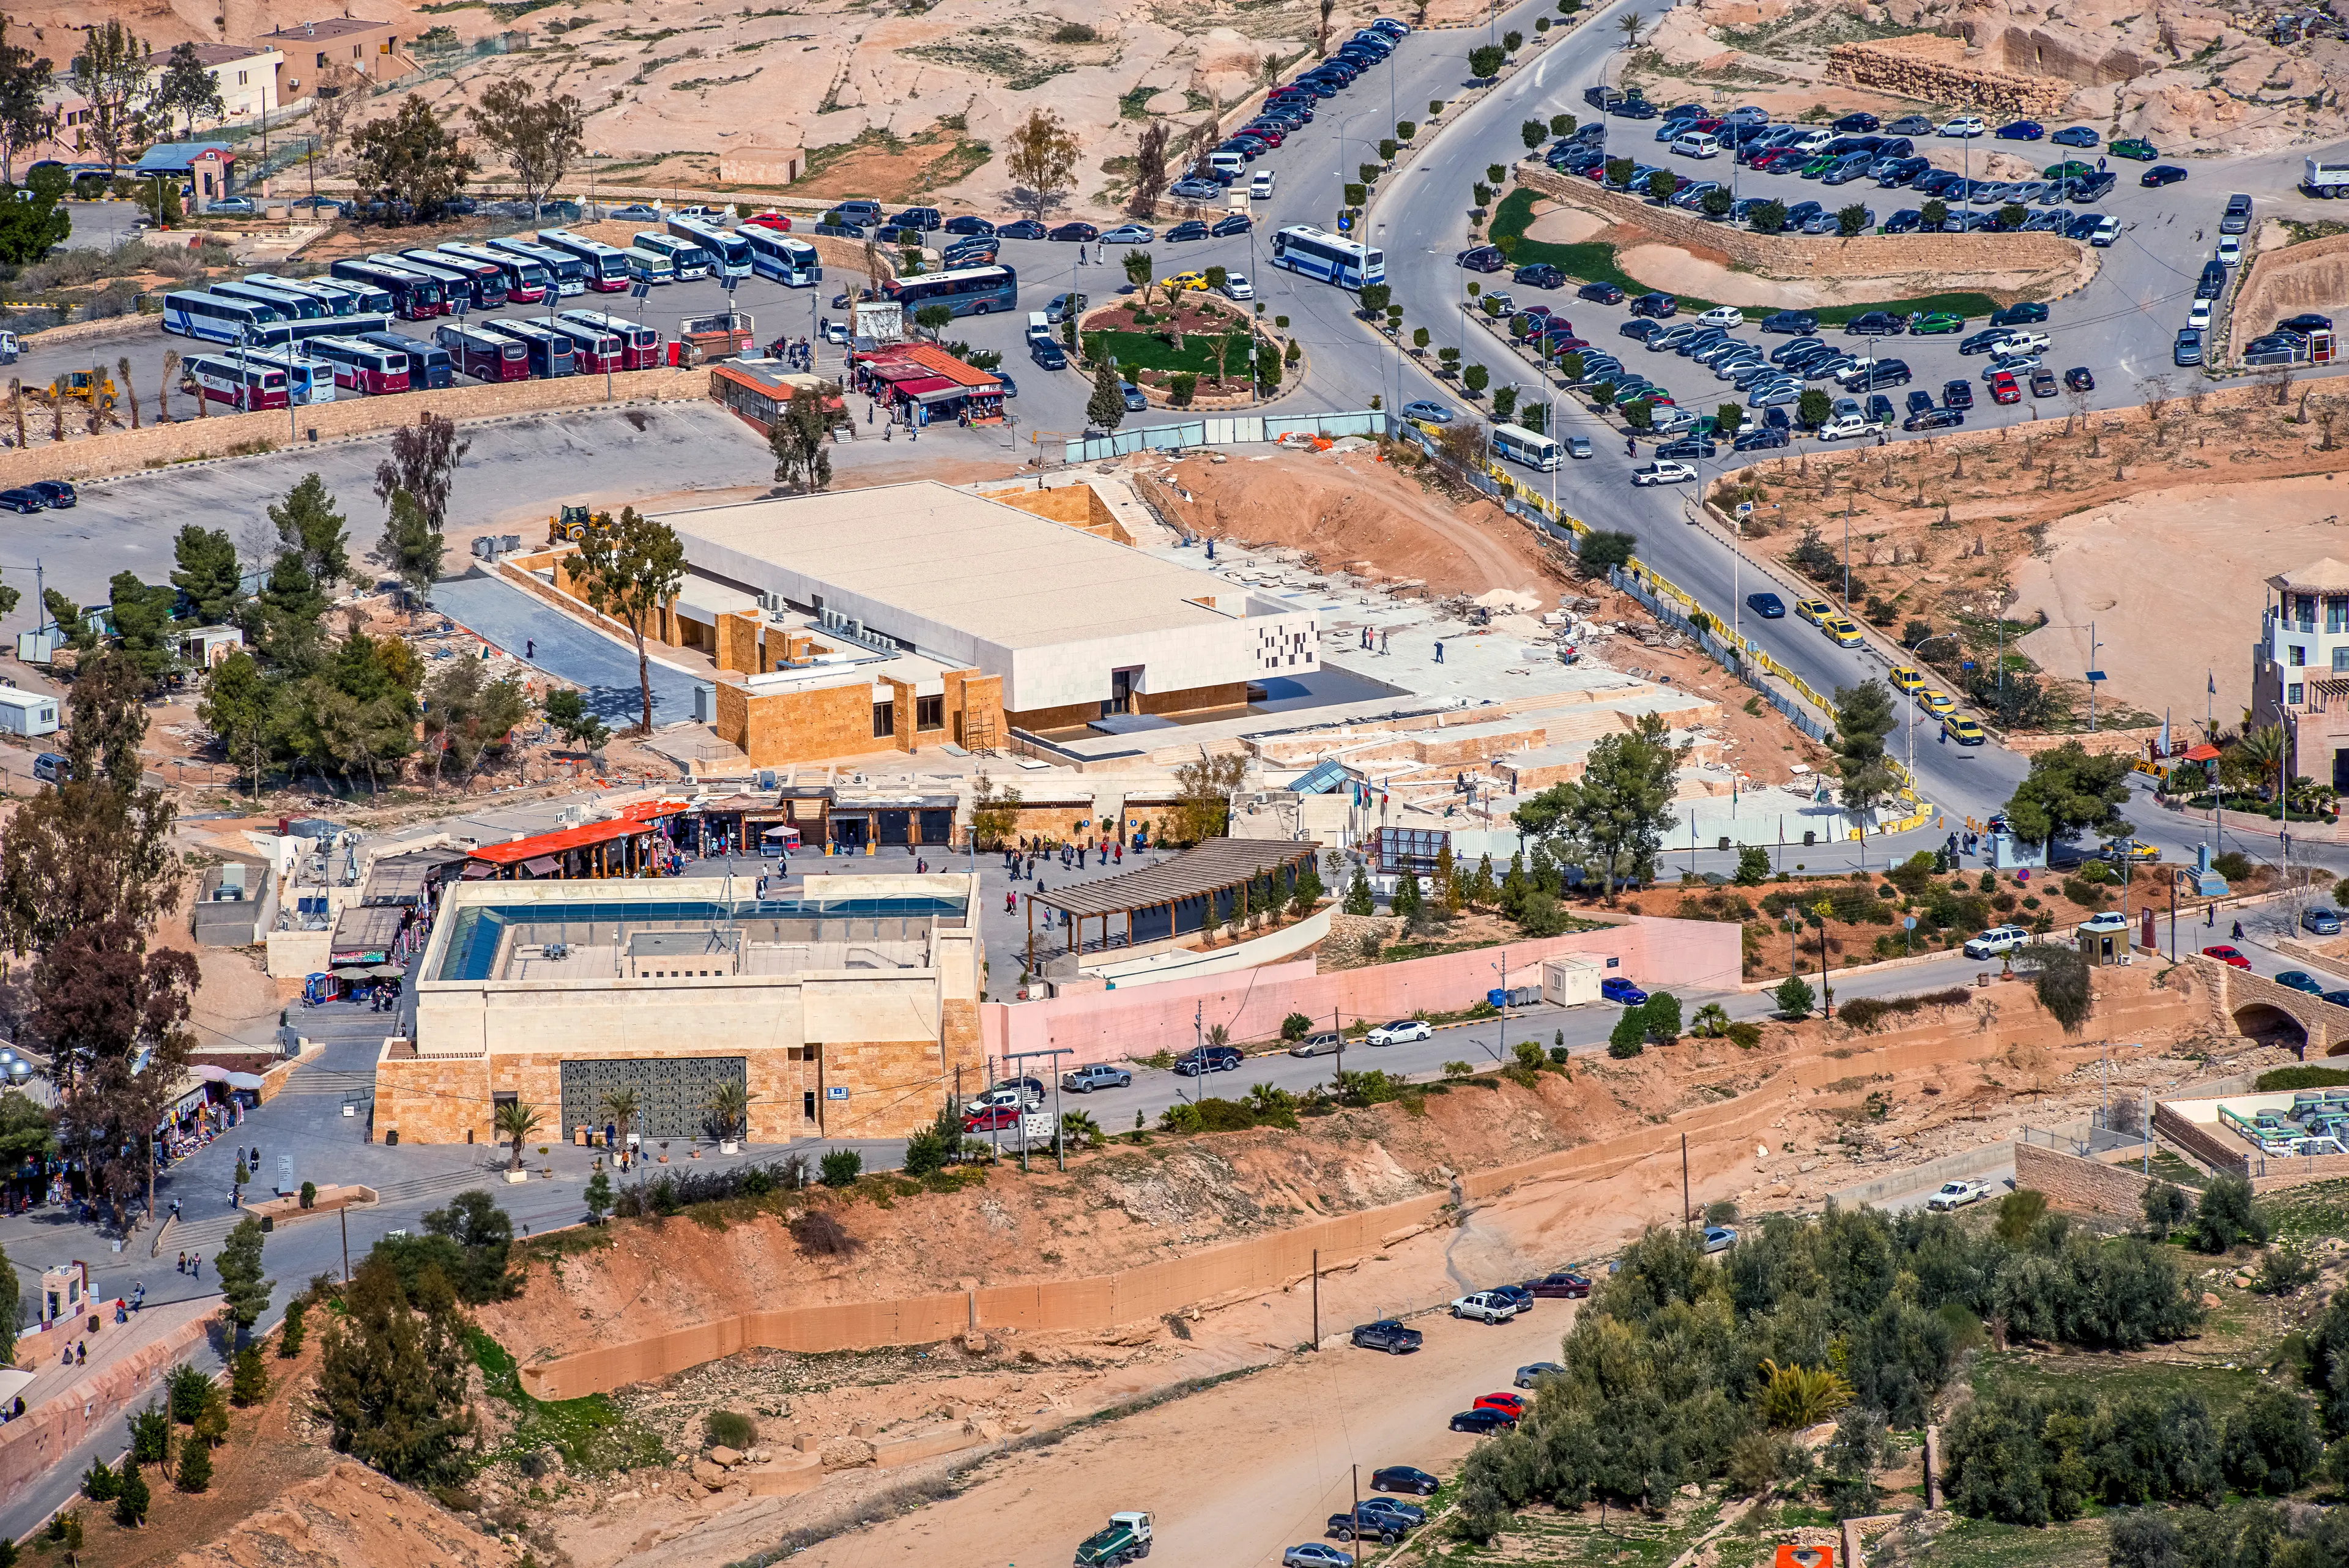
{"x":2204,"y":753}
{"x":635,"y":819}
{"x":926,"y":385}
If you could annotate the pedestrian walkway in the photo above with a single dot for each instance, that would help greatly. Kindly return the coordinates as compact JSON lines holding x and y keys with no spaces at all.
{"x":512,"y":620}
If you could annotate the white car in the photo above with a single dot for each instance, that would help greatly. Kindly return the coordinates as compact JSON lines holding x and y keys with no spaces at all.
{"x":1966,"y":125}
{"x":1996,"y":940}
{"x":1010,"y":1094}
{"x":1401,"y":1031}
{"x":1665,"y":472}
{"x":1237,"y":287}
{"x":2197,"y":315}
{"x":1485,"y":1306}
{"x":1724,"y":316}
{"x":2105,"y":921}
{"x":2020,"y":343}
{"x":1958,"y":1194}
{"x":1260,"y":185}
{"x":2230,"y":250}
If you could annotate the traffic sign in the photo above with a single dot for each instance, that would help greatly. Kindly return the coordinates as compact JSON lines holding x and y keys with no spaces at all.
{"x":1908,"y":923}
{"x":2095,"y":675}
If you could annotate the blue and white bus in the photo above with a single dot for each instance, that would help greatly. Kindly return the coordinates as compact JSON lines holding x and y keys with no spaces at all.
{"x":214,"y":318}
{"x":607,"y":266}
{"x":790,"y":262}
{"x":340,"y":298}
{"x":525,"y":280}
{"x":290,"y":334}
{"x":245,"y":382}
{"x":289,"y":306}
{"x":306,"y":382}
{"x":966,"y":291}
{"x":1331,"y":258}
{"x":648,"y":266}
{"x":550,"y":351}
{"x":730,"y":250}
{"x":688,"y":259}
{"x":1518,"y":444}
{"x":414,"y":298}
{"x":567,"y":275}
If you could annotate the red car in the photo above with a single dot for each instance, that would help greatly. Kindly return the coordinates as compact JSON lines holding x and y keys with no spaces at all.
{"x":994,"y":1119}
{"x":1708,"y":126}
{"x":1269,"y":134}
{"x":2227,"y":955}
{"x":1566,"y":1284}
{"x":1512,"y":1406}
{"x":2003,"y":389}
{"x":775,"y":221}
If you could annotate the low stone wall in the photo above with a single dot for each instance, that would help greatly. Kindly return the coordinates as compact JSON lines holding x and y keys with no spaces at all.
{"x":224,"y":435}
{"x":46,"y":1434}
{"x":2205,"y":1147}
{"x":286,"y":1211}
{"x":1980,"y":1161}
{"x":2071,"y":1182}
{"x":1810,"y":258}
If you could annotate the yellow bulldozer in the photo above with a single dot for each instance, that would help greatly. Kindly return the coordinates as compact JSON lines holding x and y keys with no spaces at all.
{"x":82,"y":386}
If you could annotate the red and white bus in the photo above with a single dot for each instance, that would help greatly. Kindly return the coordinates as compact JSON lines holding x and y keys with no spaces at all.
{"x":483,"y":356}
{"x":592,"y":352}
{"x":360,"y":366}
{"x":640,"y":345}
{"x":414,"y":297}
{"x":246,"y":387}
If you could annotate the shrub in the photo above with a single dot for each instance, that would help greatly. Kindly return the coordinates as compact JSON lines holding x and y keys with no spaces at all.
{"x":195,"y":1467}
{"x":1630,"y":1036}
{"x":821,"y":1234}
{"x":309,"y":1194}
{"x":926,"y":1152}
{"x":1660,"y":1016}
{"x":842,"y":1167}
{"x":1744,"y":1035}
{"x":2166,"y":1208}
{"x":1458,"y":1069}
{"x":2271,"y":1443}
{"x":248,"y":1378}
{"x":2234,"y":865}
{"x":1795,"y":997}
{"x":730,"y":1429}
{"x":1752,"y":865}
{"x":101,"y":1484}
{"x":2283,"y":1269}
{"x":291,"y":1333}
{"x":2226,"y":1215}
{"x":131,"y":1503}
{"x":1296,"y":1027}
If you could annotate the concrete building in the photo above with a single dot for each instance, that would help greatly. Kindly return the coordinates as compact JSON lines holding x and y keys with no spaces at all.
{"x":844,"y":1007}
{"x":311,"y":49}
{"x":246,"y":75}
{"x":2300,"y":669}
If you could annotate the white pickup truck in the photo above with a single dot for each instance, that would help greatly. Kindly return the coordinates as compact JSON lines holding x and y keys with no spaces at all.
{"x":2020,"y":343}
{"x":1958,"y":1194}
{"x":1996,"y":940}
{"x":1847,"y":426}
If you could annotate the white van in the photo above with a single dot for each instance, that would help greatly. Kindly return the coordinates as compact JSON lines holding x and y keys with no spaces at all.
{"x":1260,"y":185}
{"x":1040,"y":327}
{"x":1228,"y":166}
{"x":1518,"y":444}
{"x":1696,"y":144}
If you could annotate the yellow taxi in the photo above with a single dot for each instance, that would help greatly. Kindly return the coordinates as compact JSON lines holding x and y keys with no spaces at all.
{"x":1182,"y":280}
{"x":1841,"y":628}
{"x":1908,"y":682}
{"x":1935,"y":702}
{"x":1814,"y":610}
{"x":1963,"y":729}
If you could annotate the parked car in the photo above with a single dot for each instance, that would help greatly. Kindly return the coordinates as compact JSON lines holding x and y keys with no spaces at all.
{"x":1910,"y":125}
{"x":1481,"y":258}
{"x":1958,"y":1194}
{"x":1965,"y":126}
{"x":1720,"y":1238}
{"x":2302,"y":981}
{"x":1614,"y":989}
{"x":2159,"y":174}
{"x":1367,"y":1525}
{"x":2074,"y":136}
{"x":1604,"y":293}
{"x":1201,"y":1060}
{"x":992,"y":1119}
{"x":1321,"y":1043}
{"x":1565,"y":1284}
{"x":59,"y":495}
{"x":2021,"y":131}
{"x":1022,"y":229}
{"x":1934,"y":420}
{"x":2135,"y":147}
{"x":2227,"y":955}
{"x":1482,"y":1422}
{"x":1094,"y":1076}
{"x":1508,"y":1402}
{"x":1069,"y":234}
{"x":1996,"y":940}
{"x":1387,"y":1335}
{"x":2079,"y":380}
{"x":1404,"y":1477}
{"x":1655,"y":305}
{"x":1315,"y":1554}
{"x":1485,"y":1306}
{"x":1533,"y":1372}
{"x":1401,"y":1031}
{"x":2322,"y":918}
{"x":2105,"y":921}
{"x":1539,"y":274}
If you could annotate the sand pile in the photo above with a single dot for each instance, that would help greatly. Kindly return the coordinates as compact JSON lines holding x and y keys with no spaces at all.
{"x":352,"y":1518}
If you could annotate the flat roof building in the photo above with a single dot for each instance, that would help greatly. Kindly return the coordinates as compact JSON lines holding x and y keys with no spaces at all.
{"x":841,"y":1007}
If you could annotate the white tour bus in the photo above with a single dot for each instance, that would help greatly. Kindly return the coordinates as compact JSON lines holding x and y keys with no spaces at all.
{"x":1329,"y":257}
{"x":791,"y":263}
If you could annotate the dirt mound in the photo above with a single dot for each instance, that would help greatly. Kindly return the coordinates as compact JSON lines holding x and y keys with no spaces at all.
{"x":352,"y":1518}
{"x":1353,"y":511}
{"x":1677,"y":271}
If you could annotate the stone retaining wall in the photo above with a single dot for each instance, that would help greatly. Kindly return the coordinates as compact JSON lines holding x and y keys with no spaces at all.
{"x":1933,"y":70}
{"x":1809,"y":258}
{"x":224,"y":435}
{"x":2071,"y":1182}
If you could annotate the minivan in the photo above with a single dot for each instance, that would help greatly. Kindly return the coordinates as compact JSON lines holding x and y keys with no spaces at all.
{"x":1696,"y":144}
{"x":1228,"y":166}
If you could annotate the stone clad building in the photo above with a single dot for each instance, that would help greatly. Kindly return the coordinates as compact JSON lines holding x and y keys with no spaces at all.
{"x":844,"y":1006}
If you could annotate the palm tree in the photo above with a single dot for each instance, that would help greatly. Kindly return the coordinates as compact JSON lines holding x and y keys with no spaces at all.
{"x":1078,"y":1130}
{"x":1628,"y":24}
{"x":1138,"y":266}
{"x":163,"y":393}
{"x":129,"y":391}
{"x":618,"y":1109}
{"x":2263,"y":749}
{"x":729,"y":1106}
{"x":517,"y":1123}
{"x":1711,"y":1022}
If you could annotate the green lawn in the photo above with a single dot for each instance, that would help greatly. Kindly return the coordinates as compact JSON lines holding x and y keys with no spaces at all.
{"x":1148,"y":351}
{"x":1593,"y":261}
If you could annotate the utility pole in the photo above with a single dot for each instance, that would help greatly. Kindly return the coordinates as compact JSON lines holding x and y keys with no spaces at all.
{"x":344,"y":1216}
{"x":1684,"y":1182}
{"x":1317,"y":1298}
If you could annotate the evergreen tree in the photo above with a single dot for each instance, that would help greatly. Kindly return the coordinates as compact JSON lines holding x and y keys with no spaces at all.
{"x":1359,"y":900}
{"x":238,"y":1263}
{"x":291,"y":1333}
{"x":1406,"y":901}
{"x":132,"y":1501}
{"x":1863,"y":717}
{"x":195,"y":1466}
{"x":1105,"y":409}
{"x":392,"y":1379}
{"x":208,"y":572}
{"x":248,"y":1379}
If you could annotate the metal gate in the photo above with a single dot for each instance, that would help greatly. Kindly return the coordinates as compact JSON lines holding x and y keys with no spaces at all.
{"x":671,"y":1091}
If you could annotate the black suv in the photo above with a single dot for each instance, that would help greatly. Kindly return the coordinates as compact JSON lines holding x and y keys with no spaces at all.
{"x":1208,"y":1059}
{"x":1875,"y":323}
{"x":1388,"y":1336}
{"x":1658,"y":305}
{"x":1795,"y":321}
{"x":1541,"y":275}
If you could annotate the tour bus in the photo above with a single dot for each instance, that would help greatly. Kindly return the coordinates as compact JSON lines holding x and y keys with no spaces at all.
{"x":289,"y":306}
{"x":565,"y":274}
{"x":214,"y":318}
{"x":360,"y":366}
{"x":649,"y":266}
{"x":790,"y":262}
{"x":255,"y":383}
{"x":1329,"y":257}
{"x":306,"y":382}
{"x":525,"y":280}
{"x":427,"y":363}
{"x":606,"y":266}
{"x":690,"y":261}
{"x":339,"y":298}
{"x":483,"y":356}
{"x":414,"y":297}
{"x":550,"y":351}
{"x":482,"y":284}
{"x":1521,"y":445}
{"x":967,"y":291}
{"x":731,"y":251}
{"x":594,"y":350}
{"x":290,"y":335}
{"x":640,"y":345}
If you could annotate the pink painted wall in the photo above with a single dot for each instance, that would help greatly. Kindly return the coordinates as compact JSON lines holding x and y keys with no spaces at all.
{"x":1138,"y":1020}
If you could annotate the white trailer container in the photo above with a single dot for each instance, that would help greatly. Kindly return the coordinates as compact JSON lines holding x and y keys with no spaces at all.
{"x":24,"y":712}
{"x":1570,"y":982}
{"x":2325,"y":179}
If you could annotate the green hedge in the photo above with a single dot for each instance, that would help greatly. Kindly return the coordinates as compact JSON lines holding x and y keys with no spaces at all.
{"x":1593,"y":261}
{"x":2283,"y":1078}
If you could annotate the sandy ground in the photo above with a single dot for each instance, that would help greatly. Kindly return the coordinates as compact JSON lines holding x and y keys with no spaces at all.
{"x":2175,"y":581}
{"x":1354,"y":508}
{"x":1557,"y":225}
{"x":1669,"y":267}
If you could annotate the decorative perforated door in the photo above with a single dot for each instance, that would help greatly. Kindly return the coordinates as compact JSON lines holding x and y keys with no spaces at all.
{"x":671,"y":1092}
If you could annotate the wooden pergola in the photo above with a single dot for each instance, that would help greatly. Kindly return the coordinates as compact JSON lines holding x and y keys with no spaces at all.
{"x":1204,"y":886}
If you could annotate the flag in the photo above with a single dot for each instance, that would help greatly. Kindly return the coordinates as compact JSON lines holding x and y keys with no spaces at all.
{"x":2164,"y":729}
{"x":2213,"y":678}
